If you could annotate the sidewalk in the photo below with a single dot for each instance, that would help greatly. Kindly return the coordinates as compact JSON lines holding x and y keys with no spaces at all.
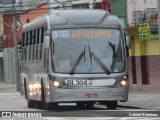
{"x":7,"y":86}
{"x":149,"y":100}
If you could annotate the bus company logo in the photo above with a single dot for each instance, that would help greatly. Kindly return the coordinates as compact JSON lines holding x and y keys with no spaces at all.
{"x":6,"y":114}
{"x":89,"y":66}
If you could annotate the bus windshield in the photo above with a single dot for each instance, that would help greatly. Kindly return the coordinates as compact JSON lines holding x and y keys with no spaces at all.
{"x":88,"y":51}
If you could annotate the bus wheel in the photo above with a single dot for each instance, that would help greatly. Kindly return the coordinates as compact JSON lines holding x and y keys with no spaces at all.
{"x":44,"y":104}
{"x":80,"y":105}
{"x":111,"y":105}
{"x":25,"y":89}
{"x":31,"y":103}
{"x":47,"y":106}
{"x":54,"y":106}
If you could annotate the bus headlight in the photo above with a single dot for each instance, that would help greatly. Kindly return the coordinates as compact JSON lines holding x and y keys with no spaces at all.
{"x":56,"y":83}
{"x":123,"y":82}
{"x":31,"y":87}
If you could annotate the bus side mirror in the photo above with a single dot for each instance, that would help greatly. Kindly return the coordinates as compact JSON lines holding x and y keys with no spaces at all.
{"x":128,"y":42}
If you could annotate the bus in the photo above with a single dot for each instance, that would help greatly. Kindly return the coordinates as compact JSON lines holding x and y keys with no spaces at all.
{"x":74,"y":56}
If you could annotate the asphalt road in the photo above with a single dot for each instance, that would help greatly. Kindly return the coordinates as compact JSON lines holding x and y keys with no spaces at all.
{"x":13,"y":103}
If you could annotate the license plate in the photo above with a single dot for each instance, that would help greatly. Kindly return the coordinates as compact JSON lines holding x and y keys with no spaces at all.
{"x":71,"y":82}
{"x":91,"y":95}
{"x":95,"y":83}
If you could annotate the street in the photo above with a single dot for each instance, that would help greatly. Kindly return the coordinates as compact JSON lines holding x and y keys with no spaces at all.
{"x":13,"y":101}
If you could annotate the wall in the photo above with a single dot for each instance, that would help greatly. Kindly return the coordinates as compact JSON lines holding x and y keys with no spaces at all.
{"x":158,"y":3}
{"x":8,"y":18}
{"x":1,"y":31}
{"x":144,"y":63}
{"x":119,"y":9}
{"x":9,"y":42}
{"x":1,"y":25}
{"x":32,"y":14}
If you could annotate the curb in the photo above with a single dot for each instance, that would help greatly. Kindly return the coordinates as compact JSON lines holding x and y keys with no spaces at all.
{"x":132,"y":107}
{"x":7,"y":86}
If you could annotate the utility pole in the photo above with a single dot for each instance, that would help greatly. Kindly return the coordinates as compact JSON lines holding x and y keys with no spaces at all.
{"x":16,"y":50}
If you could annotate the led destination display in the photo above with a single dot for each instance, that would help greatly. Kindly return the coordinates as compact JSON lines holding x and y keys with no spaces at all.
{"x":83,"y":33}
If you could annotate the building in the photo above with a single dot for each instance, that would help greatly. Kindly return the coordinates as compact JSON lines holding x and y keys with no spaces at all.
{"x":30,"y":9}
{"x":25,"y":10}
{"x":137,"y":10}
{"x":144,"y":60}
{"x":158,"y":3}
{"x":118,"y":7}
{"x":140,"y":17}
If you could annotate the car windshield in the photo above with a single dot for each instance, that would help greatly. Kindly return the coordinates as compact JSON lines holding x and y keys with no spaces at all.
{"x":77,"y":51}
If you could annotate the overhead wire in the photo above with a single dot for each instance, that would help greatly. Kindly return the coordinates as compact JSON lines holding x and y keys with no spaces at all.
{"x":31,"y":5}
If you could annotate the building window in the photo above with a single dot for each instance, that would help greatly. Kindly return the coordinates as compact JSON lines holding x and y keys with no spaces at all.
{"x":98,"y":5}
{"x":82,"y":5}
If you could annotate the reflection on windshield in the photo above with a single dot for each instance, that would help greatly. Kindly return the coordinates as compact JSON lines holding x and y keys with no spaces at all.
{"x":104,"y":48}
{"x":78,"y":60}
{"x":100,"y":63}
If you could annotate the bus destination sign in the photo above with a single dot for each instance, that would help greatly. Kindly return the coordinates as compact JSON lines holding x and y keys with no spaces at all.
{"x":82,"y":33}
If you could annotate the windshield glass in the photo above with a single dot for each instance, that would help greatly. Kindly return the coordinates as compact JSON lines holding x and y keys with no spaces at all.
{"x":90,"y":51}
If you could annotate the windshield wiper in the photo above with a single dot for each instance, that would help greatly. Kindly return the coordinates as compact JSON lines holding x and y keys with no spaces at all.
{"x":100,"y":63}
{"x":113,"y":48}
{"x":78,"y":60}
{"x":84,"y":52}
{"x":90,"y":54}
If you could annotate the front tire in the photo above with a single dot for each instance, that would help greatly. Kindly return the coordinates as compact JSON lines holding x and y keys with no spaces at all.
{"x":25,"y":89}
{"x":111,"y":105}
{"x":80,"y":105}
{"x":43,"y":103}
{"x":89,"y":105}
{"x":31,"y":103}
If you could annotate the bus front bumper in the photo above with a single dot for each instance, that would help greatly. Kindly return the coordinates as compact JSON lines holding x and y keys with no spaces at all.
{"x":96,"y":95}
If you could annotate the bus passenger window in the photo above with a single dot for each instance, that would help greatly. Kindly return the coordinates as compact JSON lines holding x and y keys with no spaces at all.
{"x":37,"y":44}
{"x":27,"y":39}
{"x":23,"y":42}
{"x":42,"y":37}
{"x":34,"y":44}
{"x":23,"y":39}
{"x":38,"y":30}
{"x":26,"y":50}
{"x":30,"y":45}
{"x":34,"y":37}
{"x":42,"y":34}
{"x":31,"y":37}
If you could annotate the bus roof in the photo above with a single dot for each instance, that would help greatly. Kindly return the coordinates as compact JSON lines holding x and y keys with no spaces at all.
{"x":82,"y":18}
